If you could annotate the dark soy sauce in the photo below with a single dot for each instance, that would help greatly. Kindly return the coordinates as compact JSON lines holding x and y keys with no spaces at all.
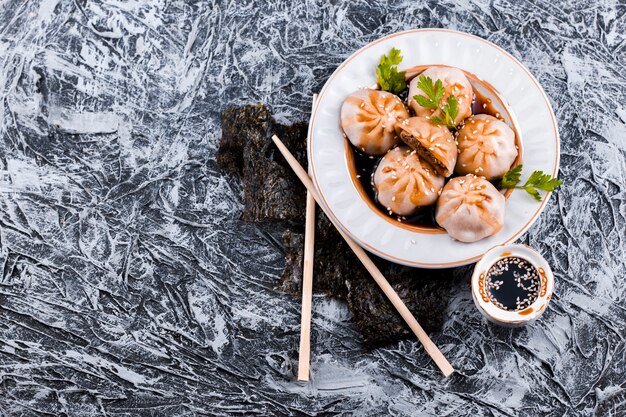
{"x":512,"y":283}
{"x":366,"y":166}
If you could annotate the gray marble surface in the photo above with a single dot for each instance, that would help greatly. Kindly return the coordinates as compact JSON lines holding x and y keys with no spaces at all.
{"x":130,"y":286}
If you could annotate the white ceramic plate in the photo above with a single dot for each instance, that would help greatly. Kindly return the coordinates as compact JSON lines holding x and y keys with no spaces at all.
{"x":328,"y":160}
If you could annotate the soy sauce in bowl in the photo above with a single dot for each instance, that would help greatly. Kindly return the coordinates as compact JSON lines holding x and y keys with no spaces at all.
{"x":512,"y":283}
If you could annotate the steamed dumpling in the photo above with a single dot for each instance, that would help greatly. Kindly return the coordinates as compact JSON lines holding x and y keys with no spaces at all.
{"x":368,"y":119}
{"x":486,"y":147}
{"x":433,"y":143}
{"x":403,"y":182}
{"x":470,"y":208}
{"x":454,"y":82}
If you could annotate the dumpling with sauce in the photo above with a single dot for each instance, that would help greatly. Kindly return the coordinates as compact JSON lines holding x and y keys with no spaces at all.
{"x":403,"y":182}
{"x":368,"y":118}
{"x":454,"y":83}
{"x":486,"y":147}
{"x":470,"y":208}
{"x":433,"y":142}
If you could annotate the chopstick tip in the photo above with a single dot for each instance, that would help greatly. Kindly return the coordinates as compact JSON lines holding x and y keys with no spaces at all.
{"x":447,"y":370}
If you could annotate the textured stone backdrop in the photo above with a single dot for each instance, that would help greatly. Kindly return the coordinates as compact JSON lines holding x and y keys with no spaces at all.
{"x":130,"y":286}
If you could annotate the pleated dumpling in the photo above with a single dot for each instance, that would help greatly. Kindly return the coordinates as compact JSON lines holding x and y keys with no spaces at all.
{"x":470,"y":208}
{"x":434,"y":143}
{"x":454,"y":82}
{"x":486,"y":147}
{"x":403,"y":182}
{"x":368,"y":118}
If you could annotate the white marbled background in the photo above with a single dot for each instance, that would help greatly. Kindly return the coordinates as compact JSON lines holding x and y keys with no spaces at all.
{"x":130,"y":286}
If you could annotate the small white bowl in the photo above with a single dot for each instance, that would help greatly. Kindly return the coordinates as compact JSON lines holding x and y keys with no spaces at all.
{"x":506,"y":317}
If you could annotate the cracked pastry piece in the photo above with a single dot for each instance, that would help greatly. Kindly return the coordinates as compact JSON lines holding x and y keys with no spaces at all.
{"x":433,"y":142}
{"x":486,"y":147}
{"x":403,"y":182}
{"x":454,"y":82}
{"x":470,"y":208}
{"x":368,"y":119}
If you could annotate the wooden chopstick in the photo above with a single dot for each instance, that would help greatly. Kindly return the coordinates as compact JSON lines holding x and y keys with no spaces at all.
{"x":304,"y":357}
{"x":428,"y":344}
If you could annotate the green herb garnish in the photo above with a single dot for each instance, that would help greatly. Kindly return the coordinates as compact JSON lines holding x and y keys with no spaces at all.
{"x":449,"y":112}
{"x":511,"y":178}
{"x":537,"y":180}
{"x":434,"y":93}
{"x":387,"y":74}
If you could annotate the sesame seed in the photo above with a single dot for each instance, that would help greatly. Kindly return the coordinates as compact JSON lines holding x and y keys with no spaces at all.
{"x":362,"y":105}
{"x":484,"y":106}
{"x":393,"y":198}
{"x":474,"y":132}
{"x":413,"y":241}
{"x":431,"y":148}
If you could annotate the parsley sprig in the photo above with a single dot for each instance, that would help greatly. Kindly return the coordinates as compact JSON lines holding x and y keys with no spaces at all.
{"x":387,"y":74}
{"x":449,"y":112}
{"x":537,"y":180}
{"x":434,"y":93}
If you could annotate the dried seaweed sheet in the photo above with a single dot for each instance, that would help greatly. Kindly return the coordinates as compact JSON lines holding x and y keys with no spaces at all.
{"x":274,"y":197}
{"x":271,"y":191}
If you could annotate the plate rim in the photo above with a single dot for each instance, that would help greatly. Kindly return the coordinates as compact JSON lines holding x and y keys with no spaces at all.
{"x":391,"y":257}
